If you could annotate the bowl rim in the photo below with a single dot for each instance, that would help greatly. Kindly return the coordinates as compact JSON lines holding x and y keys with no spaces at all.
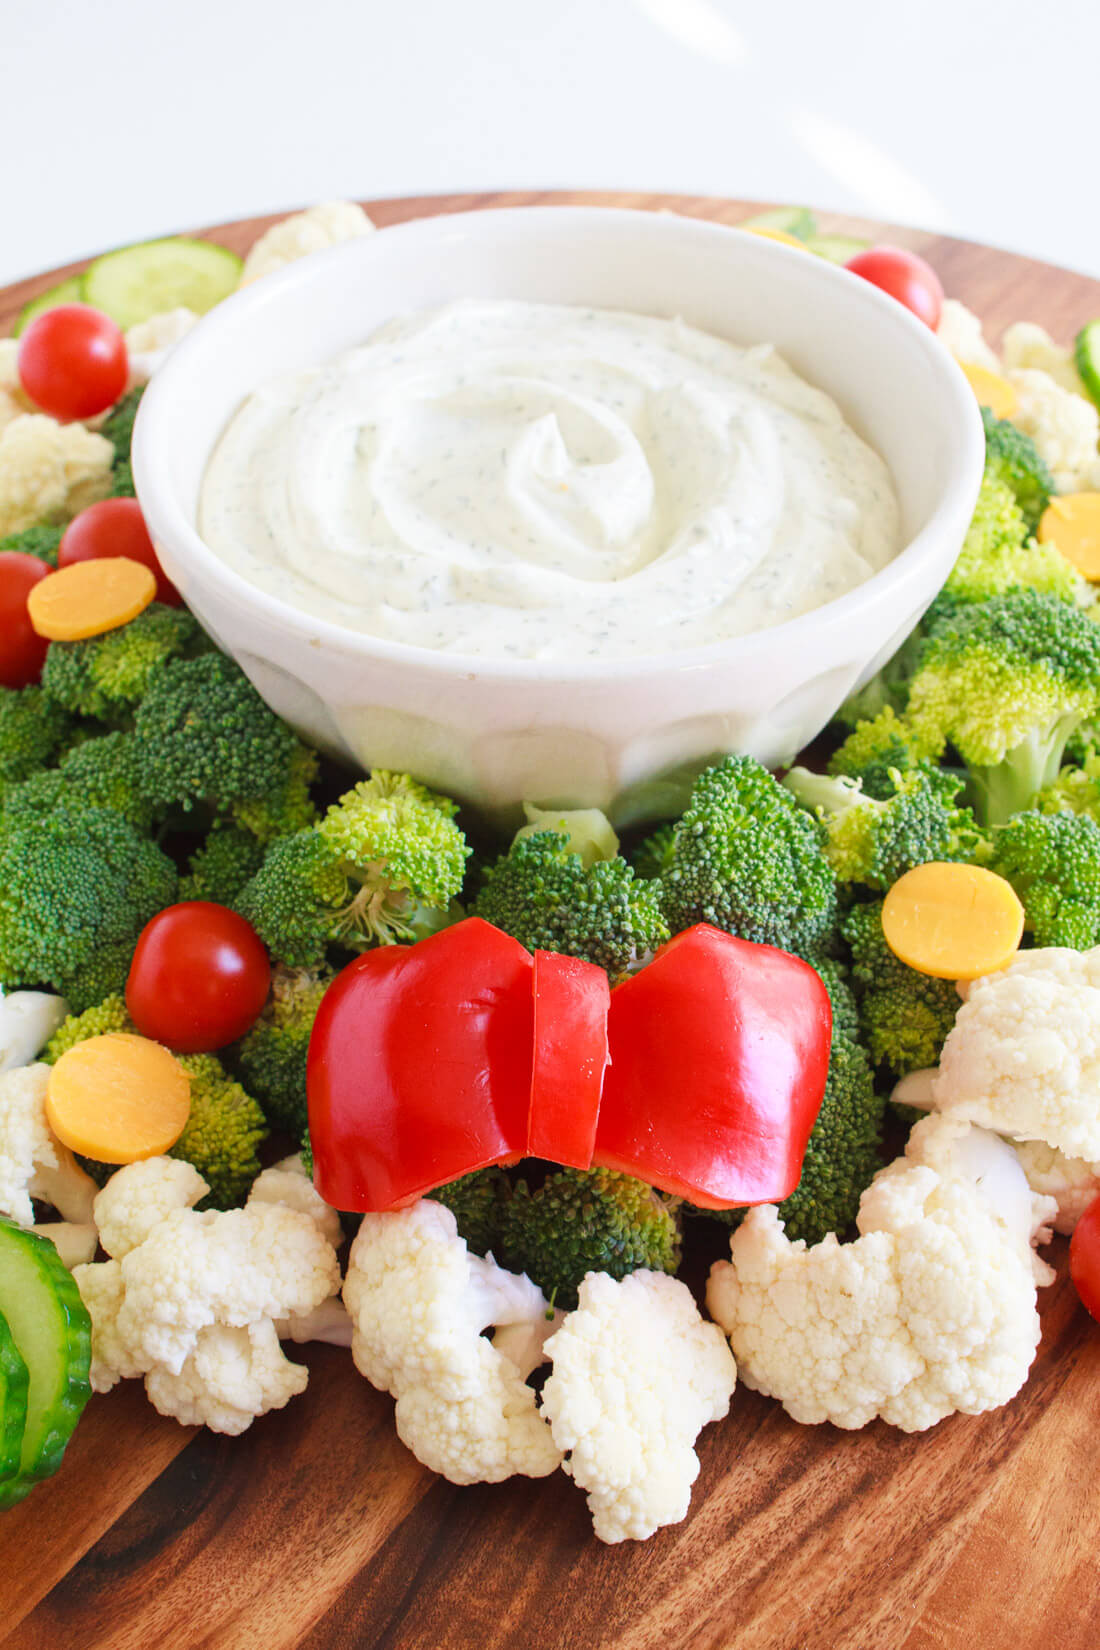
{"x":159,"y":502}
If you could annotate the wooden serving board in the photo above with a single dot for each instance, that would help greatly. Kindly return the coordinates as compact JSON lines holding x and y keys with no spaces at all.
{"x":317,"y":1529}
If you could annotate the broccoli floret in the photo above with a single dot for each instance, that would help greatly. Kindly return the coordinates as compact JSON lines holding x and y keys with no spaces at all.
{"x":875,"y":751}
{"x":224,"y":1131}
{"x":997,"y":555}
{"x":841,"y":996}
{"x":208,"y":740}
{"x":42,"y":542}
{"x":107,"y":675}
{"x":289,"y":809}
{"x":875,"y":842}
{"x":1012,"y":457}
{"x":1076,"y":789}
{"x":1006,"y":682}
{"x":541,"y":894}
{"x":586,"y":1220}
{"x":843,"y":1153}
{"x":32,"y":730}
{"x":222,"y":865}
{"x":99,"y":1020}
{"x":748,"y":859}
{"x":477,"y":1202}
{"x":383,"y":866}
{"x":76,"y":889}
{"x":118,"y":427}
{"x":904,"y":1015}
{"x":1053,"y":862}
{"x":101,"y":772}
{"x":271,"y":1057}
{"x":653,"y":857}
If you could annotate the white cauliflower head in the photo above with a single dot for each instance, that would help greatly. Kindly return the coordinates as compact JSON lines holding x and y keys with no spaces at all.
{"x":149,"y":343}
{"x":230,"y":1377}
{"x":296,"y":237}
{"x":1023,"y":1056}
{"x":961,"y":331}
{"x":1027,"y":345}
{"x":419,"y":1302}
{"x":1073,"y":1182}
{"x":33,"y":1162}
{"x":139,"y":1196}
{"x":1064,"y":427}
{"x":28,"y":1019}
{"x":14,"y":400}
{"x":637,"y":1374}
{"x":288,"y":1184}
{"x":49,"y":471}
{"x":929,"y":1312}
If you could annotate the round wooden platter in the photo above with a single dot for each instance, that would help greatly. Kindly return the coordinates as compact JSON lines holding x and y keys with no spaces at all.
{"x":317,"y":1529}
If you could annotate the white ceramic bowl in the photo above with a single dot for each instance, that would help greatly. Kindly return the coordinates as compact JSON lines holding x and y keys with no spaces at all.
{"x":610,"y":734}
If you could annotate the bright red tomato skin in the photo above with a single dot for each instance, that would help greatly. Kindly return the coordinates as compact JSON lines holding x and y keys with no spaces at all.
{"x":199,"y":977}
{"x":22,"y":649}
{"x":115,"y":527}
{"x":72,"y":362}
{"x":570,"y":1059}
{"x":739,"y":1033}
{"x":903,"y":275}
{"x":1084,"y":1258}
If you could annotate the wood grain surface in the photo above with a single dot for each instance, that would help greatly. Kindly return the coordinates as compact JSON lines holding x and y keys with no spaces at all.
{"x":317,"y":1529}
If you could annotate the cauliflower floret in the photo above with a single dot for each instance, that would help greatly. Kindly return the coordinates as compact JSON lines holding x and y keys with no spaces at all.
{"x":1064,"y":427}
{"x":14,"y":400}
{"x":1027,"y":345}
{"x":28,"y":1019}
{"x":637,"y":1375}
{"x":154,"y":1310}
{"x":49,"y":471}
{"x":232,"y":1376}
{"x":1072,"y":1182}
{"x":1023,"y":1056}
{"x":419,"y":1302}
{"x":149,"y":343}
{"x":305,"y":232}
{"x":961,"y":330}
{"x":138,"y":1197}
{"x":930,"y":1311}
{"x":33,"y":1162}
{"x":287,"y":1183}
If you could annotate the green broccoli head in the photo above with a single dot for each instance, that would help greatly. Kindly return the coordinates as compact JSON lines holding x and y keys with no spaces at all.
{"x":76,"y":889}
{"x":101,"y":772}
{"x":477,"y":1202}
{"x":42,"y":542}
{"x":1053,"y":862}
{"x":1007,"y":681}
{"x":384,"y":865}
{"x":33,"y":729}
{"x":904,"y":1015}
{"x":875,"y":751}
{"x":222,"y":865}
{"x":271,"y":1056}
{"x":118,"y":427}
{"x":844,"y":1151}
{"x":106,"y":676}
{"x":1076,"y":789}
{"x":208,"y":740}
{"x":1012,"y":457}
{"x":100,"y":1019}
{"x":541,"y":894}
{"x":998,"y":556}
{"x":653,"y":856}
{"x":748,"y":858}
{"x":586,"y":1220}
{"x":837,"y":982}
{"x":873,"y":841}
{"x":289,"y":809}
{"x":223,"y":1134}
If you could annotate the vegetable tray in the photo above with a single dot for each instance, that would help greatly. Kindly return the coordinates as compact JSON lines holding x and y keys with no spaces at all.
{"x":317,"y":1529}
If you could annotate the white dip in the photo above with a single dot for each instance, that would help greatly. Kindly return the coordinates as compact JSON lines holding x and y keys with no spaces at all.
{"x":540,"y":482}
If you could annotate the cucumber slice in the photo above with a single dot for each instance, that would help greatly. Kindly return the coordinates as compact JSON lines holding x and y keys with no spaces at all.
{"x":49,"y":1323}
{"x":13,"y":1404}
{"x":66,"y":292}
{"x":837,"y":248}
{"x":1086,"y":354}
{"x":798,"y":221}
{"x":139,"y":281}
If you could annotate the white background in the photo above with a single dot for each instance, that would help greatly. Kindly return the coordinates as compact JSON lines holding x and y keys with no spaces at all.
{"x":128,"y":118}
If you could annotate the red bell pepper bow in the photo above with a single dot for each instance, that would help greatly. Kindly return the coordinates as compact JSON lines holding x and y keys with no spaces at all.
{"x":703,"y":1074}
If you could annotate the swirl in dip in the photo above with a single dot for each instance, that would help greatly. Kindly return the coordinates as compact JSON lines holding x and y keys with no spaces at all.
{"x":536,"y":481}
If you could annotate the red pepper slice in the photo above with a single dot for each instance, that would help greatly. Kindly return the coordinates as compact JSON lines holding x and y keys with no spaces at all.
{"x":570,"y":1058}
{"x":420,"y":1066}
{"x":719,"y":1054}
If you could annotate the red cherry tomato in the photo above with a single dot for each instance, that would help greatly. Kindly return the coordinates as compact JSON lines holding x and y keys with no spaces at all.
{"x":72,"y":361}
{"x":199,"y":977}
{"x":22,"y":650}
{"x":115,"y":527}
{"x":1084,"y":1258}
{"x":905,"y":277}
